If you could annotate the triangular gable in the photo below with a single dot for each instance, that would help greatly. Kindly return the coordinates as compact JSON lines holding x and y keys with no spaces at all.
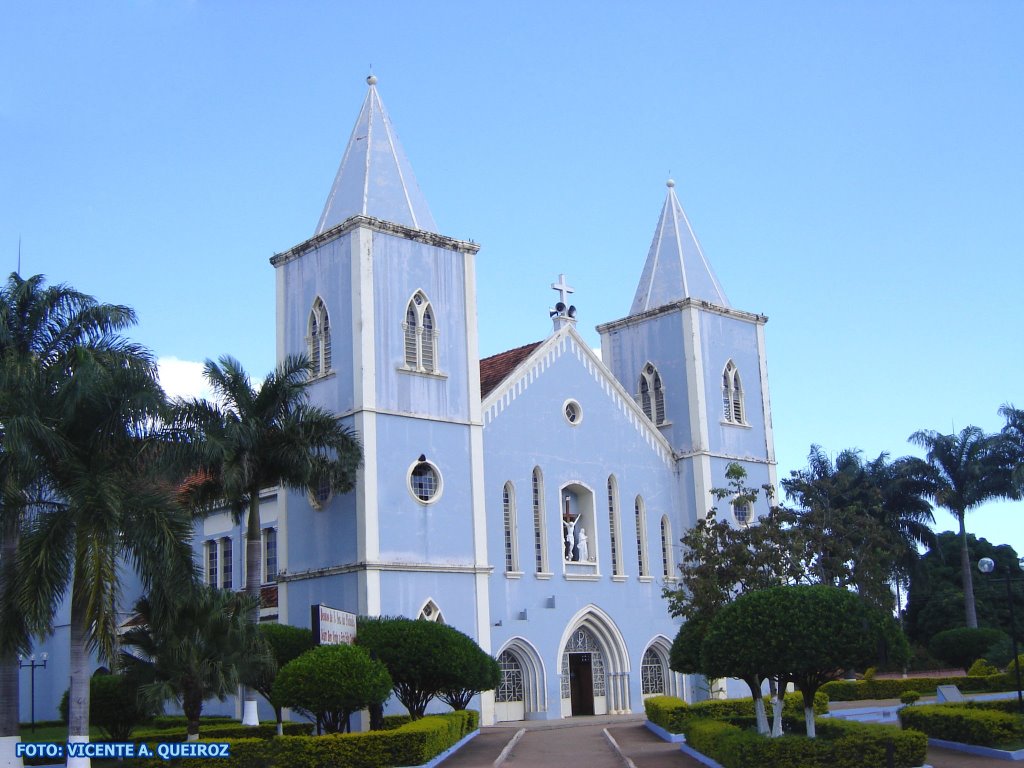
{"x":533,"y":366}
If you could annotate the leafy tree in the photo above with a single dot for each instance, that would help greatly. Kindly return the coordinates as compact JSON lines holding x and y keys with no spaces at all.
{"x":962,"y":646}
{"x":809,"y":634}
{"x":472,"y":670}
{"x":732,"y":647}
{"x":257,"y":437}
{"x":330,"y":682}
{"x":198,"y":649}
{"x":42,"y":332}
{"x":935,"y":598}
{"x":969,"y":469}
{"x":862,"y":520}
{"x":285,"y":644}
{"x":419,"y":656}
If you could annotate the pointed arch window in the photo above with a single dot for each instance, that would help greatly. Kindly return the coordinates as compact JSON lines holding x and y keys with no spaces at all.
{"x":318,"y":339}
{"x":613,"y":525}
{"x":511,"y":686}
{"x":652,"y":673}
{"x":508,"y":506}
{"x":651,"y":396}
{"x":420,"y":332}
{"x":667,"y":566}
{"x":640,"y":513}
{"x":732,"y":395}
{"x":539,"y":528}
{"x":430,"y":612}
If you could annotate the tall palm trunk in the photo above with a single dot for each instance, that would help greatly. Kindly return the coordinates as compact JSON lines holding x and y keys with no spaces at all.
{"x":965,"y":571}
{"x":78,"y":698}
{"x":253,"y":533}
{"x":9,"y":691}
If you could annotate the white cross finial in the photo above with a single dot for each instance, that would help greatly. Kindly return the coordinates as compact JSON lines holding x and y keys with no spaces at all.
{"x":563,"y":289}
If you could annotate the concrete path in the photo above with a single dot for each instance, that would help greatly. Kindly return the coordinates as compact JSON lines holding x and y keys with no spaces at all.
{"x":565,"y":743}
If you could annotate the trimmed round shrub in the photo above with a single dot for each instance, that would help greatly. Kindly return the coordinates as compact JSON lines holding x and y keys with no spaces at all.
{"x":982,"y":668}
{"x":331,"y":682}
{"x":963,"y":646}
{"x":909,"y":697}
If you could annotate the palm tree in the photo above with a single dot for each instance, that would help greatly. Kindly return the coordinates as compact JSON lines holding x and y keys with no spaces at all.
{"x":969,"y":469}
{"x":113,"y":503}
{"x":198,"y":649}
{"x":42,"y":332}
{"x":1013,"y":434}
{"x":255,"y":438}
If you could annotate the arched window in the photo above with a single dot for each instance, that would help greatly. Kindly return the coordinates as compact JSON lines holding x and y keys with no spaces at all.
{"x":539,"y":529}
{"x":613,"y":525}
{"x":420,"y":335}
{"x":652,"y":395}
{"x":732,"y":394}
{"x":652,"y":674}
{"x":430,"y":612}
{"x":641,"y":535}
{"x":667,"y":565}
{"x":511,"y":686}
{"x":318,"y":339}
{"x":508,"y":506}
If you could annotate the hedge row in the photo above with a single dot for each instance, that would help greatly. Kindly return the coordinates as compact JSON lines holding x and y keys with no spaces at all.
{"x":984,"y":726}
{"x":840,"y":744}
{"x":856,"y":690}
{"x":180,"y":722}
{"x":672,"y":713}
{"x":411,"y":744}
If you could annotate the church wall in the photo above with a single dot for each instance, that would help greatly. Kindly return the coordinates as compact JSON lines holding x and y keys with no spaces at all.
{"x":533,"y":432}
{"x":658,"y":340}
{"x":723,"y":339}
{"x":319,"y":538}
{"x":401,"y":268}
{"x":325,"y":272}
{"x":411,"y":531}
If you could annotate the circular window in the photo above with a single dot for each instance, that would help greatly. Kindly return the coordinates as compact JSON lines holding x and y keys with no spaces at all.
{"x":743,"y":512}
{"x":573,"y":412}
{"x":321,"y":495}
{"x":424,"y":481}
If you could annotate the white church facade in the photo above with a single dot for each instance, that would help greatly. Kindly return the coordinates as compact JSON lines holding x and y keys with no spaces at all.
{"x":552,"y":552}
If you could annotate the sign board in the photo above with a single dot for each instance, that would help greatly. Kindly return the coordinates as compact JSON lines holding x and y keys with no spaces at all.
{"x":333,"y":627}
{"x":946,"y":693}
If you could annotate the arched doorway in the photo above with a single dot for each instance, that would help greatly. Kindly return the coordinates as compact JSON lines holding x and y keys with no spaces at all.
{"x":594,"y":666}
{"x":521,"y":690}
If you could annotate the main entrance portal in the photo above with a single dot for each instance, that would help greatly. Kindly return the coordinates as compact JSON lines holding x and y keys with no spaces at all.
{"x":583,"y":678}
{"x":581,"y":684}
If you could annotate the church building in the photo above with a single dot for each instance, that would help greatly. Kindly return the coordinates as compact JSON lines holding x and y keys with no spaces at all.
{"x":552,"y":553}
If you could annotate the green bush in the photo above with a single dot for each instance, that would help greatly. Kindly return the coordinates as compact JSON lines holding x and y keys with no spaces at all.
{"x":411,"y":744}
{"x":162,"y":722}
{"x":858,"y":690}
{"x":114,"y":706}
{"x":1011,"y":670}
{"x":967,"y":724}
{"x":672,"y":713}
{"x":840,"y":744}
{"x":909,"y":697}
{"x":982,"y":668}
{"x":963,"y":646}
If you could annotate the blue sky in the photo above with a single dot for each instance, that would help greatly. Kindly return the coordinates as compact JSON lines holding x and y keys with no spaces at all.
{"x":855,"y":171}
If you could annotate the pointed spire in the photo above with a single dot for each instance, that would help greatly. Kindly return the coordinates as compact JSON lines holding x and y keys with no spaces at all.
{"x":375,"y":178}
{"x":676,"y":268}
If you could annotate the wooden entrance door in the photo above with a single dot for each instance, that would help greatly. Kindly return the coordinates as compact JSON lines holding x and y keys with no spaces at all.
{"x":581,"y":683}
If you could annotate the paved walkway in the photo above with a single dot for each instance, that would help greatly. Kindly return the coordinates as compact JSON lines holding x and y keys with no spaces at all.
{"x":581,"y":742}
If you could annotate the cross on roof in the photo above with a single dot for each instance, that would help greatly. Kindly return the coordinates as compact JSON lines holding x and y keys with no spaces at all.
{"x":563,"y":289}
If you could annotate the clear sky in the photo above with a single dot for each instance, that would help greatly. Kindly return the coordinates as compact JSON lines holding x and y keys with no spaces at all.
{"x":855,"y":171}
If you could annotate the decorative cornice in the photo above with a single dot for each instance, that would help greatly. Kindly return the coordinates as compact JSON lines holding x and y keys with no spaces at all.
{"x":376,"y":225}
{"x":363,"y":565}
{"x":678,"y":306}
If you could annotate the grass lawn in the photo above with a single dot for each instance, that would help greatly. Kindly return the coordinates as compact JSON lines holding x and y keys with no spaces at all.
{"x":54,"y":733}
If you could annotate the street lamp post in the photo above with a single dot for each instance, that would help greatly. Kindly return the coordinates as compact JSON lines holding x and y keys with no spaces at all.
{"x":987,"y":565}
{"x":32,"y":665}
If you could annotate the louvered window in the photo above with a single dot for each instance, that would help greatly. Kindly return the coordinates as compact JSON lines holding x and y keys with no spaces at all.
{"x":319,"y":339}
{"x":732,"y":394}
{"x":420,"y":332}
{"x":427,"y":340}
{"x":652,"y":395}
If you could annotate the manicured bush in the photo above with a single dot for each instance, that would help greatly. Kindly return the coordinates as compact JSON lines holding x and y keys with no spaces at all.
{"x":114,"y":706}
{"x":840,"y":744}
{"x":909,"y":697}
{"x":330,"y":682}
{"x":411,"y":744}
{"x":667,"y":711}
{"x":181,"y":722}
{"x":672,"y":713}
{"x":970,"y":725}
{"x":858,"y":690}
{"x":963,"y":646}
{"x":981,"y":668}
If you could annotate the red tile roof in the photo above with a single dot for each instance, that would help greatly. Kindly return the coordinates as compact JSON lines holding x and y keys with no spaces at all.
{"x":494,"y":369}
